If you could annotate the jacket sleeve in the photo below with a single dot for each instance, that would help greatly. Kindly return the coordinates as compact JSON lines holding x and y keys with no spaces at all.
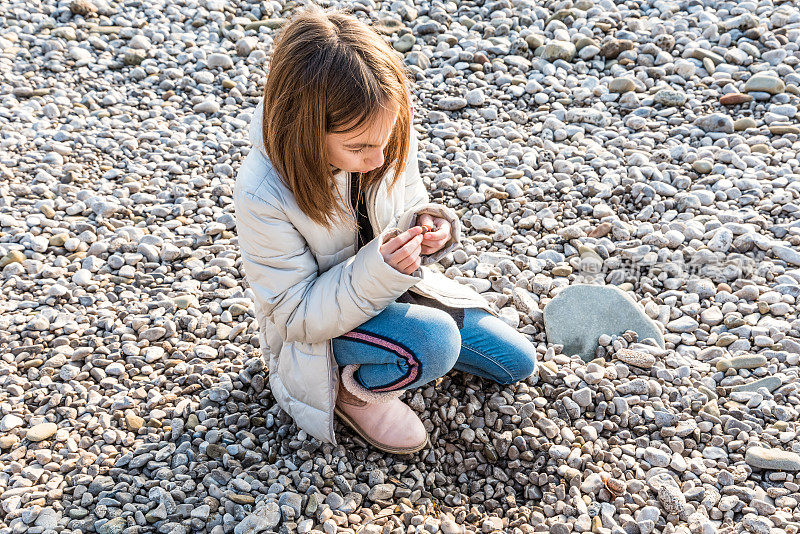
{"x":304,"y":305}
{"x":417,"y":202}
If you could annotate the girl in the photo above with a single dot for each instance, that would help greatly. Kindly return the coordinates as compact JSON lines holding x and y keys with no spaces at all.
{"x":330,"y":208}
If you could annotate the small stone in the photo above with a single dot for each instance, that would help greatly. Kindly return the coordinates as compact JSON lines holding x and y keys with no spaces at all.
{"x":419,"y":59}
{"x":770,"y":382}
{"x":15,"y":256}
{"x":215,"y":451}
{"x":788,"y":254}
{"x":750,"y":361}
{"x":241,"y":499}
{"x":192,"y":421}
{"x":636,"y":358}
{"x":621,"y":85}
{"x":721,"y":240}
{"x":559,"y":452}
{"x":133,"y":422}
{"x":10,"y":422}
{"x":760,"y":148}
{"x":734,"y":99}
{"x":140,"y":42}
{"x":715,"y":122}
{"x":78,"y":513}
{"x":476,"y":97}
{"x":207,"y":106}
{"x":744,"y":123}
{"x":41,"y":431}
{"x":711,"y":316}
{"x":555,"y":50}
{"x":83,"y":8}
{"x":764,"y":83}
{"x":775,"y":459}
{"x":592,"y":484}
{"x":115,"y":369}
{"x":669,"y":98}
{"x":100,"y":484}
{"x":219,"y":60}
{"x":682,"y":325}
{"x":114,"y":526}
{"x":184,"y":302}
{"x":702,"y":166}
{"x":8,"y":441}
{"x":613,"y":48}
{"x":405,"y":43}
{"x":601,"y":230}
{"x":201,"y":512}
{"x":702,"y":54}
{"x":246,"y":45}
{"x":452,"y":103}
{"x":672,"y":499}
{"x":58,"y":240}
{"x":582,"y":397}
{"x":637,"y":386}
{"x":448,"y":526}
{"x":263,"y":518}
{"x":534,"y":41}
{"x":134,"y":57}
{"x":784,"y":129}
{"x":656,"y":457}
{"x":64,"y":32}
{"x":562,"y":270}
{"x":381,"y":492}
{"x":615,"y":486}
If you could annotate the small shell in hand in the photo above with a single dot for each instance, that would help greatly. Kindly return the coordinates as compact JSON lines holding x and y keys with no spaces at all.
{"x":426,"y":229}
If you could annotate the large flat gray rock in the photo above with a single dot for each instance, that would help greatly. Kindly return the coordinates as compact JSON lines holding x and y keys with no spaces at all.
{"x":581,"y":313}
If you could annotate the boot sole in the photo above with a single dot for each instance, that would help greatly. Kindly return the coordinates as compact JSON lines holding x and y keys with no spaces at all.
{"x":386,"y":448}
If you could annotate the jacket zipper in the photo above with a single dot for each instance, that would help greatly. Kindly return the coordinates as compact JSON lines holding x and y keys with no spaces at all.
{"x":352,"y":208}
{"x":369,"y":201}
{"x":332,"y":394}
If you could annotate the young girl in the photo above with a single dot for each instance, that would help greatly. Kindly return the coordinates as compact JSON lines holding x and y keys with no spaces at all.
{"x":331,"y":214}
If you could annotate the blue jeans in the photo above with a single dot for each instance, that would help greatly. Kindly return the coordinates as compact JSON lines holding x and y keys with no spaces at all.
{"x":408,"y":345}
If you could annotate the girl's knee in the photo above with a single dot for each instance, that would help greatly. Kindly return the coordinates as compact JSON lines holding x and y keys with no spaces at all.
{"x":441,"y":346}
{"x":524,"y":364}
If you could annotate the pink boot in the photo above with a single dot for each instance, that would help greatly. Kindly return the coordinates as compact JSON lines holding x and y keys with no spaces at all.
{"x":381,"y":418}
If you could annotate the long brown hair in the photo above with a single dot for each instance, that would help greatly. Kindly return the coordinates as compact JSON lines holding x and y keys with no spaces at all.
{"x":328,"y":70}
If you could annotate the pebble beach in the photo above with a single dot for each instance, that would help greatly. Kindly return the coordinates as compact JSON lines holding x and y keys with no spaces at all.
{"x":651,"y":146}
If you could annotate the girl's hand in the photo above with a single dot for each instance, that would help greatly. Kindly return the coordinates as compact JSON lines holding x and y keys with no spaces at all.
{"x":433,"y":241}
{"x":402,"y":251}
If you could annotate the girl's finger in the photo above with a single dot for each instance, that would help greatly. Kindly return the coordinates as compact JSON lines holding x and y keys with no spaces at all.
{"x":435,"y":239}
{"x":436,"y":245}
{"x":440,"y":233}
{"x":425,"y":219}
{"x":429,"y":251}
{"x":410,"y":248}
{"x":395,"y":243}
{"x":405,"y":264}
{"x":414,"y":258}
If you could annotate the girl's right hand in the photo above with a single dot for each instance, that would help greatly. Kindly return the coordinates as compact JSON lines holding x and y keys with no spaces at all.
{"x":403,"y":251}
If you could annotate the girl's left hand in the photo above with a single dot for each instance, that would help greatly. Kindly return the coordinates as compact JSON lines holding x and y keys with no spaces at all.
{"x":433,"y":241}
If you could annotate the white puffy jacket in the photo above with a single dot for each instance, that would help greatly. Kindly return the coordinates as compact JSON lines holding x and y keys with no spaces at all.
{"x":311,"y":285}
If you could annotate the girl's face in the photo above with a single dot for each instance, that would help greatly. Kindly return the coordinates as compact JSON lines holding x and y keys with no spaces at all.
{"x":361,"y":150}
